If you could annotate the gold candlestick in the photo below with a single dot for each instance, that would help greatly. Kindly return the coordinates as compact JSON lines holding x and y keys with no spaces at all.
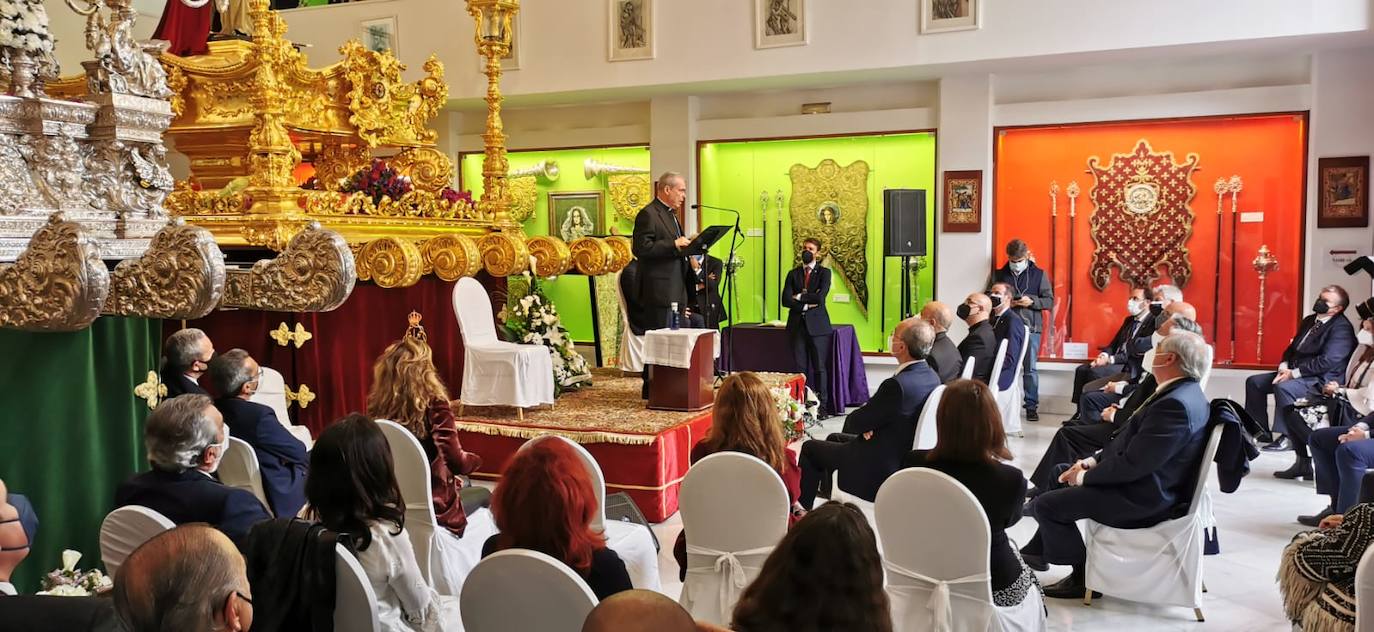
{"x":493,"y":19}
{"x":1265,"y":262}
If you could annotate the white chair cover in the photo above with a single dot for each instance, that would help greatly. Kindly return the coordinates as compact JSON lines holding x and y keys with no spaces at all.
{"x":497,"y":373}
{"x":124,"y":529}
{"x":734,"y":510}
{"x":1207,"y":372}
{"x":1009,"y":401}
{"x":968,"y":369}
{"x":1364,"y":592}
{"x":926,"y":434}
{"x":1161,"y":564}
{"x":631,"y":346}
{"x":239,"y":468}
{"x":838,"y":494}
{"x":517,"y":589}
{"x":355,"y":603}
{"x":272,"y":394}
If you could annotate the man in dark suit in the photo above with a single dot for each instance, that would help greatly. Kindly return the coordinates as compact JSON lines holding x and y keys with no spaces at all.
{"x":1094,"y":401}
{"x":186,"y":354}
{"x":281,"y":456}
{"x":980,"y":345}
{"x":188,"y":578}
{"x":882,"y":431}
{"x":1144,"y":476}
{"x":658,"y":243}
{"x":1007,"y":325}
{"x":808,"y":322}
{"x":706,"y":273}
{"x":1032,"y":294}
{"x":1122,"y":357}
{"x":1317,"y":355}
{"x":944,"y":356}
{"x":186,"y":438}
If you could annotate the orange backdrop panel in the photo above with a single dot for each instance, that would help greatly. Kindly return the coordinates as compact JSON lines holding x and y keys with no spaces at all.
{"x":1268,"y":152}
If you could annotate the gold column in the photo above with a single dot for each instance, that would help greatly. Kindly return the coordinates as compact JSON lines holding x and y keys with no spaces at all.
{"x":493,"y":37}
{"x":272,"y":156}
{"x":1264,"y":263}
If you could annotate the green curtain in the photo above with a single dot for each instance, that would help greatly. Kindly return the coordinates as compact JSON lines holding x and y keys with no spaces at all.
{"x":71,"y":429}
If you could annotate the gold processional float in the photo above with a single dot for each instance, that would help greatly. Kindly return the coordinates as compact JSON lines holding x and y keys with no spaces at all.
{"x":88,"y":181}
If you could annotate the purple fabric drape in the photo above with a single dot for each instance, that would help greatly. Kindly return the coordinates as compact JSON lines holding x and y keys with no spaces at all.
{"x":762,"y":348}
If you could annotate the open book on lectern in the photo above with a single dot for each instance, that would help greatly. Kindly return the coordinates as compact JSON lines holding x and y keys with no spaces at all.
{"x":705,"y":239}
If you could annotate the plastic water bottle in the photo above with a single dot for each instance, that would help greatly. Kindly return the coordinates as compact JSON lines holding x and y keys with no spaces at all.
{"x":673,"y":319}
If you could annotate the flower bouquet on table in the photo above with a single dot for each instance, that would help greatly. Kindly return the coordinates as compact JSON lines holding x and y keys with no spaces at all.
{"x":69,"y":581}
{"x":796,"y":416}
{"x":380,"y":180}
{"x":26,"y":46}
{"x":530,"y":317}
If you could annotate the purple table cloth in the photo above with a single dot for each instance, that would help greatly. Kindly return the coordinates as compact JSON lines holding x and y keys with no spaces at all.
{"x":756,"y":347}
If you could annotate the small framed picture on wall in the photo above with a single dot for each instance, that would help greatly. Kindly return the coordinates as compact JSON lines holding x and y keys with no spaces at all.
{"x":631,"y":28}
{"x":939,"y":16}
{"x":379,"y":35}
{"x":1343,"y":196}
{"x":962,"y":211}
{"x":779,"y":23}
{"x":575,"y":215}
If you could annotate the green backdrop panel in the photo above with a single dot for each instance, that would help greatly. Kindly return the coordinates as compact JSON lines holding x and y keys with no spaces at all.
{"x":71,"y":429}
{"x":748,"y":175}
{"x":572,"y":292}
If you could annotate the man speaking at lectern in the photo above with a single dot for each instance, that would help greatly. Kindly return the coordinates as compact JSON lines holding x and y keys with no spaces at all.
{"x":658,"y":244}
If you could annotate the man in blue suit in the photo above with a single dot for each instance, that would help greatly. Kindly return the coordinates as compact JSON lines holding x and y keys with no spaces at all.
{"x":1032,"y":295}
{"x":281,"y":457}
{"x":881,"y":432}
{"x":1008,"y":326}
{"x":1145,"y":475}
{"x":186,"y":438}
{"x":1317,"y":355}
{"x":808,"y":324}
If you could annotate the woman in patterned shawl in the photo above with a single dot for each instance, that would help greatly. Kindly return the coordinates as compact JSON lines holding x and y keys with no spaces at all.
{"x":1317,"y":571}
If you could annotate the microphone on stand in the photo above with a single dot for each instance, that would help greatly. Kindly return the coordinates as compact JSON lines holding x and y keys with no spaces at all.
{"x":714,"y":208}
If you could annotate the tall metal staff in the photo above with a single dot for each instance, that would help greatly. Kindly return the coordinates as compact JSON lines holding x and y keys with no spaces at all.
{"x":1264,"y":263}
{"x":1233,"y":186}
{"x":1073,"y":191}
{"x":1054,"y":247}
{"x":1220,"y":188}
{"x":783,"y":264}
{"x":763,"y":256}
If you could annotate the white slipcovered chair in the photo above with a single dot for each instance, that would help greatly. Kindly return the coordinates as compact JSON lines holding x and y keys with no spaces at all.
{"x":941,"y":580}
{"x":518,"y":589}
{"x":1009,"y":401}
{"x":926,"y":433}
{"x":422,"y":525}
{"x":239,"y":468}
{"x":1161,"y":564}
{"x":734,"y":511}
{"x":272,"y":394}
{"x":355,"y":603}
{"x":124,"y":529}
{"x":634,"y":543}
{"x":497,"y":373}
{"x":967,"y":373}
{"x":631,"y":346}
{"x":1364,"y":592}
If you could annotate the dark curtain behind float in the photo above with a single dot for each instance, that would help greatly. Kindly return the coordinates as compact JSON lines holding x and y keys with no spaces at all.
{"x":336,"y":363}
{"x":71,"y":429}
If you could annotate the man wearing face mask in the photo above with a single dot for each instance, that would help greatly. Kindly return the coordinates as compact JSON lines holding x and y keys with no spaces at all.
{"x":186,"y":355}
{"x":980,"y":345}
{"x":808,"y":323}
{"x":1031,"y":295}
{"x":1342,"y":454}
{"x":944,"y":356}
{"x":1094,"y":402}
{"x":1121,"y":359}
{"x":281,"y":456}
{"x":1008,"y":326}
{"x":186,"y":439}
{"x":1317,"y":355}
{"x":1162,"y":296}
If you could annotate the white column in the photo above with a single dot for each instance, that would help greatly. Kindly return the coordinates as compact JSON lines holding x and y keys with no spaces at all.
{"x":673,"y":144}
{"x":964,"y":142}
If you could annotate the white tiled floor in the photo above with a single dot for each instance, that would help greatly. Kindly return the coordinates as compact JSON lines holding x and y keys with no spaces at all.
{"x":1254,"y":525}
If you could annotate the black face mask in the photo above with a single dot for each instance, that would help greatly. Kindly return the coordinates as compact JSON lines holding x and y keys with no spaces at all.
{"x":1321,"y":307}
{"x":962,"y":311}
{"x":1160,"y":319}
{"x":807,"y":257}
{"x":996,"y":300}
{"x":1156,"y":308}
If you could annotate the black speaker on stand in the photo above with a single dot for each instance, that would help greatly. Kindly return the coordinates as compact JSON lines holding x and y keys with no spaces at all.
{"x":904,"y":234}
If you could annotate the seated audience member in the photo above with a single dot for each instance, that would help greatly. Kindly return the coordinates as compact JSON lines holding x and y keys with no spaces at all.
{"x":186,"y":356}
{"x":281,"y":457}
{"x":1076,"y":441}
{"x":1007,"y":325}
{"x":187,"y":579}
{"x":1032,"y":294}
{"x":352,"y":489}
{"x":639,"y":611}
{"x":1162,"y":296}
{"x":1121,"y":359}
{"x":545,"y":503}
{"x":1342,"y":404}
{"x":1317,"y":571}
{"x":1144,"y":475}
{"x":23,"y":512}
{"x":882,"y":431}
{"x":1341,"y":456}
{"x":825,"y":574}
{"x":745,"y":419}
{"x":979,"y":346}
{"x":1317,"y":355}
{"x":944,"y":356}
{"x":972,"y":448}
{"x":14,"y":542}
{"x":185,"y":438}
{"x":1093,"y":402}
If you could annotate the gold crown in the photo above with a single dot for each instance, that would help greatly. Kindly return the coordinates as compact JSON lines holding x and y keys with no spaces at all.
{"x":415,"y":330}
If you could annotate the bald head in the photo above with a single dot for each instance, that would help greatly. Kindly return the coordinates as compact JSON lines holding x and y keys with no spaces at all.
{"x":1180,"y":308}
{"x":187,"y":579}
{"x":638,"y":611}
{"x":978,"y":308}
{"x":938,"y":315}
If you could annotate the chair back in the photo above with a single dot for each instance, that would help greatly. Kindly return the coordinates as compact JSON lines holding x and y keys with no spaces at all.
{"x":997,"y":362}
{"x":1021,"y":356}
{"x":968,"y":369}
{"x":124,"y":530}
{"x":355,"y":603}
{"x":516,"y":589}
{"x":926,"y":433}
{"x":631,"y":346}
{"x":1207,"y":372}
{"x":593,"y":472}
{"x":473,"y":309}
{"x":1208,"y":454}
{"x":272,"y":394}
{"x":240,"y":468}
{"x":1364,"y":592}
{"x":412,"y":473}
{"x":952,"y":555}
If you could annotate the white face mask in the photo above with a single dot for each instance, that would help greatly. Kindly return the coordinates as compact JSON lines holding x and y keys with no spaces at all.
{"x":1135,"y":306}
{"x":1365,"y":338}
{"x":1155,"y":339}
{"x":1154,"y":368}
{"x":1149,"y":359}
{"x":1019,"y":266}
{"x":219,"y":454}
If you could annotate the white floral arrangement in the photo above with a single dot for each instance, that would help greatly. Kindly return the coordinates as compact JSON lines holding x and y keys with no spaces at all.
{"x":24,"y":27}
{"x":533,"y":319}
{"x":795,"y":415}
{"x":69,"y":581}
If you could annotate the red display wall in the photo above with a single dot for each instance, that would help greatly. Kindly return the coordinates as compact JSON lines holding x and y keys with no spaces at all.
{"x":1268,"y":153}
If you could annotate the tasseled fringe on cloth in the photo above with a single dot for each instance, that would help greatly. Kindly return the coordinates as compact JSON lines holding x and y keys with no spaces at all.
{"x":578,"y":436}
{"x":1298,"y":591}
{"x":1316,"y":619}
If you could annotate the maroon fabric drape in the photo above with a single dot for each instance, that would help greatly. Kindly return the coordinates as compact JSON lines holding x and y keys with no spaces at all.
{"x":187,"y":29}
{"x":337,"y":362}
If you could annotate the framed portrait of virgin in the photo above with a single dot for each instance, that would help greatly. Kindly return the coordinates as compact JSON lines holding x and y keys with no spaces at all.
{"x":575,"y":215}
{"x":1343,"y":192}
{"x":962,"y":211}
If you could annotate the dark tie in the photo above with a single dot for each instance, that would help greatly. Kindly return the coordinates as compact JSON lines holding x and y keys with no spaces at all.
{"x":806,"y":278}
{"x":1311,"y":329}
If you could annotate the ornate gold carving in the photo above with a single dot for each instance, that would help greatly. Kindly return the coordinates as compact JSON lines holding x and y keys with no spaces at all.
{"x":58,"y":284}
{"x":1264,"y":263}
{"x":285,"y":336}
{"x":552,"y":257}
{"x":377,"y":94}
{"x":337,"y":161}
{"x":493,"y":37}
{"x":524,"y":193}
{"x":429,"y":169}
{"x":152,"y":390}
{"x":275,"y":234}
{"x":301,"y":396}
{"x":830,"y":203}
{"x":620,"y":246}
{"x":629,"y":194}
{"x":1142,"y":216}
{"x":504,"y":254}
{"x":180,"y":277}
{"x":451,"y":257}
{"x":416,"y":204}
{"x":592,"y":256}
{"x":315,"y":273}
{"x":390,"y":262}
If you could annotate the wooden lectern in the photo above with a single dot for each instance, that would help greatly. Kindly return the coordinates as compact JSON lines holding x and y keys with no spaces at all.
{"x":689,"y":389}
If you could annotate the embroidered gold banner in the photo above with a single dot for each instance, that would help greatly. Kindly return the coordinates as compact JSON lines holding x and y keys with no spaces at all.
{"x":1142,"y":220}
{"x":830,"y":203}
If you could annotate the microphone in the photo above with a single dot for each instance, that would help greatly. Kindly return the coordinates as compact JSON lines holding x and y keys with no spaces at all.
{"x":714,"y":208}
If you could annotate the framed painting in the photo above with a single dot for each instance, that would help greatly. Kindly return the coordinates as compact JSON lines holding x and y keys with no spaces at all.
{"x":779,"y":23}
{"x":940,"y":16}
{"x":379,"y":35}
{"x":962,"y":211}
{"x":631,"y":27}
{"x":1343,"y":193}
{"x":573,"y":215}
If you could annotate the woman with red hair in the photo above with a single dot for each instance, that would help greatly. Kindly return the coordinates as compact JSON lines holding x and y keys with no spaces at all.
{"x":545,"y":503}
